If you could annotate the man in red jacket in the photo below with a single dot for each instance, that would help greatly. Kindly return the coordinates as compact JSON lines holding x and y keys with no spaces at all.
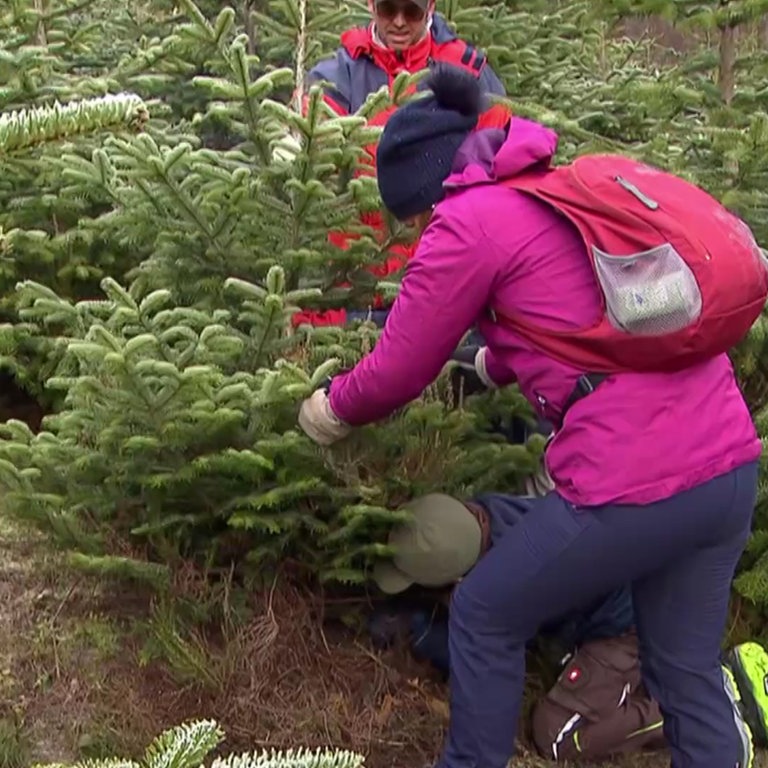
{"x":403,"y":36}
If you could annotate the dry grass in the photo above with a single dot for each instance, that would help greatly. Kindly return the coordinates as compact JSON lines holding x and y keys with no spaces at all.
{"x":75,"y":675}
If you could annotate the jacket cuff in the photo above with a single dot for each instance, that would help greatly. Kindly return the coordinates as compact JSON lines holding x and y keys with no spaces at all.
{"x":482,"y":371}
{"x":334,"y":406}
{"x":330,"y":412}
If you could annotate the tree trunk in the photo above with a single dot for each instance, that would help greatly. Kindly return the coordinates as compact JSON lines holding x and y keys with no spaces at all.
{"x":250,"y":28}
{"x":762,"y":32}
{"x":41,"y":38}
{"x":301,"y":53}
{"x":727,"y":73}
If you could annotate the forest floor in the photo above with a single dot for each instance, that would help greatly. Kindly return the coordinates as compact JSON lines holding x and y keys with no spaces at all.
{"x":78,"y":678}
{"x":93,"y":668}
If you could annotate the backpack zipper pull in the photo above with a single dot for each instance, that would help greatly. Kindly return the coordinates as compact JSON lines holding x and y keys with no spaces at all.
{"x":644,"y":199}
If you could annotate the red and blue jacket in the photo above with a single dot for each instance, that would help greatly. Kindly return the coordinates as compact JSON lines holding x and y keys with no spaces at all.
{"x":362,"y":66}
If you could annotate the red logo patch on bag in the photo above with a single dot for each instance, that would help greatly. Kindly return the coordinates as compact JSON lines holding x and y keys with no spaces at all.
{"x":574,"y":675}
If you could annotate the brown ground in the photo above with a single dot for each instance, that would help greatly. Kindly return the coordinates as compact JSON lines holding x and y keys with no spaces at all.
{"x":93,"y":669}
{"x":71,"y":668}
{"x":15,"y":403}
{"x":75,"y":674}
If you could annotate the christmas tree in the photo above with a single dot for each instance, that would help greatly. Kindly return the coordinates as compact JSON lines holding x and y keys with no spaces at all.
{"x":718,"y":138}
{"x":176,"y":436}
{"x":205,"y":227}
{"x":54,"y":96}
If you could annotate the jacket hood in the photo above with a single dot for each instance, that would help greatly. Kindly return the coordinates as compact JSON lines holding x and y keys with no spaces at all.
{"x":494,"y":154}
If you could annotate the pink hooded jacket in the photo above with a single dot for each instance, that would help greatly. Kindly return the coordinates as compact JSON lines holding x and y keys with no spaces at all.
{"x":639,"y":437}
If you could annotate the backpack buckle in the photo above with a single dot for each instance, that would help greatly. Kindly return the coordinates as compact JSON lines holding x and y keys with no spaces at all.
{"x":586,"y":385}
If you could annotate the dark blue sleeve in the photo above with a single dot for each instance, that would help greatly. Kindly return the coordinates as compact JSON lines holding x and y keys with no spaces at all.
{"x":504,"y":511}
{"x":333,"y":73}
{"x":490,"y":82}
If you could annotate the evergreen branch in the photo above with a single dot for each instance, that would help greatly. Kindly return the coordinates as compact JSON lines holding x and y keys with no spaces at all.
{"x":299,"y":758}
{"x":123,"y":568}
{"x":26,"y":128}
{"x":187,"y":745}
{"x":184,"y":746}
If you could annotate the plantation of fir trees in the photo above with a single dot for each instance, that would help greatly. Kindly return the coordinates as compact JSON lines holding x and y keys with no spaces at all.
{"x":177,"y":549}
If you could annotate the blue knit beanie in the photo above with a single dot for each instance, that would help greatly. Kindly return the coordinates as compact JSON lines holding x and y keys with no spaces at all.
{"x":420,"y":140}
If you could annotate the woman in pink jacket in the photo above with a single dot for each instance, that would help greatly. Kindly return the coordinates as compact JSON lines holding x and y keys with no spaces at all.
{"x":655,"y":474}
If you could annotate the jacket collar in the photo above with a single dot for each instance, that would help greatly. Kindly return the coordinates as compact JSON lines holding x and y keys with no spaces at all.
{"x":364,"y":41}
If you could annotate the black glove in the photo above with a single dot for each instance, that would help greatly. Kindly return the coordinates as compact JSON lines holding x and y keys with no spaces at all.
{"x":388,"y":627}
{"x":465,"y":380}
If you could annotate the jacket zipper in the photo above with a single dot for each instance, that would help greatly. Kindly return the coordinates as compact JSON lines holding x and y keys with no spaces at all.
{"x":630,"y":187}
{"x":653,"y":205}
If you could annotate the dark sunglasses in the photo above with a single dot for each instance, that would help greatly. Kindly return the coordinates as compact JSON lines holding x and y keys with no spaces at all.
{"x":388,"y":9}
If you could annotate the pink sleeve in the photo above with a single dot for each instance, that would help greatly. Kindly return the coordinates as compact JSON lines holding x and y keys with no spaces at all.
{"x":500,"y":374}
{"x":446,"y":286}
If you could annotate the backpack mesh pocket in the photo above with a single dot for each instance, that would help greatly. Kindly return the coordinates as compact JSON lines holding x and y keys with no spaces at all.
{"x":650,"y":293}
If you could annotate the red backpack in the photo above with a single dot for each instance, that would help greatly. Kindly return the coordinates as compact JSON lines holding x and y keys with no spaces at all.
{"x":682,"y":279}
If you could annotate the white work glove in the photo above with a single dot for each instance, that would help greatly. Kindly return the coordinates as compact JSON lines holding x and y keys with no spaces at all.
{"x":319,"y":422}
{"x":470,"y":375}
{"x":540,"y":483}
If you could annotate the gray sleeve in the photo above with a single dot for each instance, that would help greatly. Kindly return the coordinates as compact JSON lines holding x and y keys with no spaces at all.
{"x":334,"y":75}
{"x":490,"y":82}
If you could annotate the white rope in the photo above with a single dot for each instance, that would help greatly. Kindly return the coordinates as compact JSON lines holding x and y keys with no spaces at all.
{"x":301,"y":53}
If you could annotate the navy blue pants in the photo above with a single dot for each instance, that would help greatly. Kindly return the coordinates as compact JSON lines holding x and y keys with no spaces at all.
{"x":611,"y":616}
{"x":679,"y":555}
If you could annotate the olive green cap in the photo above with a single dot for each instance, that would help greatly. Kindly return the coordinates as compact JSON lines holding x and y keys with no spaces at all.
{"x":435,"y":548}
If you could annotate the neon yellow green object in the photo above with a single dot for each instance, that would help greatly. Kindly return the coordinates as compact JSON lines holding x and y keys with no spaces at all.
{"x":749,"y":662}
{"x":745,"y":732}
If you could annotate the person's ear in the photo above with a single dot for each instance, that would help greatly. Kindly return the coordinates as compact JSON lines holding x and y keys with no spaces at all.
{"x":421,"y":220}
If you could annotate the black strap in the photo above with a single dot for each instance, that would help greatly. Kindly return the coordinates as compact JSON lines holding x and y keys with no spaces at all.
{"x":586,"y":385}
{"x":477,"y":64}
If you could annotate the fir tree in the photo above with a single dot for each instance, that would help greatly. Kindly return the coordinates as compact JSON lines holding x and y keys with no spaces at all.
{"x":720,"y":141}
{"x":176,"y":434}
{"x":53,"y":98}
{"x":192,"y":375}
